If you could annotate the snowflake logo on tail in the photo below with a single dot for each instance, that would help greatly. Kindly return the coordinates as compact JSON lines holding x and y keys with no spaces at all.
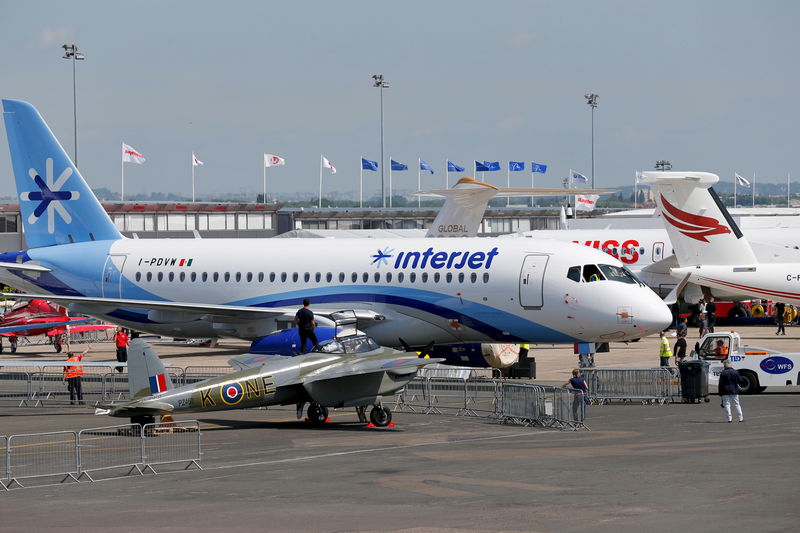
{"x":50,"y":196}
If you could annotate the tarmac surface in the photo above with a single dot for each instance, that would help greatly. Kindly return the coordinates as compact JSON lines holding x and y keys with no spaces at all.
{"x":660,"y":468}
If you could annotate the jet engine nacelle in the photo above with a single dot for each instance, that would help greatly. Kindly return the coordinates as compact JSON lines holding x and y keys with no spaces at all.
{"x":477,"y":355}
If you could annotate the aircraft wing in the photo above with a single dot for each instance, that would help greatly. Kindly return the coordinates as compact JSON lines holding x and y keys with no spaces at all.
{"x":24,"y":267}
{"x":42,"y":325}
{"x":99,"y":306}
{"x":94,"y":305}
{"x":400,"y":364}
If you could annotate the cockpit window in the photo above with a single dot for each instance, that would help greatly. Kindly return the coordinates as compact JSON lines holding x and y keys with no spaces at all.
{"x":616,"y":273}
{"x":354,"y":344}
{"x":574,"y":273}
{"x":592,"y":273}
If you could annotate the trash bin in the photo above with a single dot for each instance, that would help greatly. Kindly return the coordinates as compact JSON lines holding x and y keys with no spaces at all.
{"x":694,"y":380}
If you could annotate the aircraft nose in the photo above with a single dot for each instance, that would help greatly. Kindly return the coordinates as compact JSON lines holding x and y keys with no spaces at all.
{"x":654,"y":315}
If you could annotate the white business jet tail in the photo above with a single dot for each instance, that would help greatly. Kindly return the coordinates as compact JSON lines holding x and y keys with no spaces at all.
{"x":465,"y":204}
{"x":700,"y":228}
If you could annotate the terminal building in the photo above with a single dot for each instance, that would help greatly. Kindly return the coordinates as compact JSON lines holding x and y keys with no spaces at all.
{"x":237,"y":220}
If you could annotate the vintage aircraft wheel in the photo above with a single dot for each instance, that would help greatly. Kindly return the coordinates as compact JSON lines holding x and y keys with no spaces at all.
{"x":317,"y":413}
{"x":380,"y":416}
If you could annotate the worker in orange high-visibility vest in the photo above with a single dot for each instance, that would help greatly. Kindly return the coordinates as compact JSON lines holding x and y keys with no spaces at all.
{"x":73,"y":374}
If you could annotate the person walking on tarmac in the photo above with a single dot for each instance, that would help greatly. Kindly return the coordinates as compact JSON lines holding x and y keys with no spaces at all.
{"x":304,"y":320}
{"x":664,"y":351}
{"x":729,"y":390}
{"x":780,"y":309}
{"x":73,"y":374}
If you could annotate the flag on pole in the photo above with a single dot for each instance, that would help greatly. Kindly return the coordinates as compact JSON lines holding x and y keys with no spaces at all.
{"x":273,"y":161}
{"x":452,"y":167}
{"x":129,"y":155}
{"x":492,"y":165}
{"x":196,"y":162}
{"x":741,"y":181}
{"x":639,"y":176}
{"x":577,"y":177}
{"x":328,"y":164}
{"x":585,"y":202}
{"x":516,"y":166}
{"x":481,"y":167}
{"x":366,"y":164}
{"x":398,"y":166}
{"x":425,"y":166}
{"x":536,"y":167}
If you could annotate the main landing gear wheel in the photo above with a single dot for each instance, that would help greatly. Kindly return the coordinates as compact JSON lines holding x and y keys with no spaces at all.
{"x":317,"y":414}
{"x":380,"y":416}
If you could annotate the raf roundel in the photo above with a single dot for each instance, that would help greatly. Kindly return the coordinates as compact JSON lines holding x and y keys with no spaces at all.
{"x":231,"y":393}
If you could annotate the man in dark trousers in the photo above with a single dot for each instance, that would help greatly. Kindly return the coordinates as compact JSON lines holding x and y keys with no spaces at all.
{"x":72,"y":375}
{"x":711,"y":314}
{"x":729,"y":390}
{"x":304,"y":320}
{"x":121,"y":341}
{"x":780,"y":309}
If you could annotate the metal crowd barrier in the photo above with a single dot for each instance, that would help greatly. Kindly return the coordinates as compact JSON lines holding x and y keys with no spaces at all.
{"x":34,"y":387}
{"x":83,"y":455}
{"x":645,"y":385}
{"x":511,"y":402}
{"x":84,"y":337}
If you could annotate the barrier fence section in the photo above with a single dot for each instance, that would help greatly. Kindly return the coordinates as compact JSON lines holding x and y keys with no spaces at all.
{"x":645,"y":385}
{"x":84,"y":337}
{"x":511,"y":402}
{"x":36,"y":387}
{"x":81,"y":456}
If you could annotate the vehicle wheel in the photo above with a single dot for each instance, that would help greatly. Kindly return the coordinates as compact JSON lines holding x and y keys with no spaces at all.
{"x":748,"y":382}
{"x":317,"y":414}
{"x":737,"y":312}
{"x":380,"y":416}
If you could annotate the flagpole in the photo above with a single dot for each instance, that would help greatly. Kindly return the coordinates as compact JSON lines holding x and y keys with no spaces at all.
{"x":788,"y":194}
{"x":122,"y":174}
{"x":319,"y":200}
{"x":735,"y":182}
{"x":265,"y":179}
{"x":754,"y":189}
{"x":419,"y":181}
{"x":192,"y":177}
{"x":635,"y":190}
{"x":361,"y":183}
{"x":446,"y":174}
{"x":390,"y":181}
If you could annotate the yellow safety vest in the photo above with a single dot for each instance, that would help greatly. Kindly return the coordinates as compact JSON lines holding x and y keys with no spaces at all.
{"x":665,"y":350}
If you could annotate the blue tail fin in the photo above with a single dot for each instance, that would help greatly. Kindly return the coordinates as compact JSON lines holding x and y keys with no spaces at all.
{"x":56,"y":204}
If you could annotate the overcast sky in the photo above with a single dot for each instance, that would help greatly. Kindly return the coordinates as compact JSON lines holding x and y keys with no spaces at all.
{"x":709,"y":85}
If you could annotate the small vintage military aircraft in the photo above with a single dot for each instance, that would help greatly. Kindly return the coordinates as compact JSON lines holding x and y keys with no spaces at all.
{"x":349,"y":370}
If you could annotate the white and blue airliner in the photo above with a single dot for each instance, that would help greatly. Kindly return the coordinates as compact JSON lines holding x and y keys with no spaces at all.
{"x":422,"y":289}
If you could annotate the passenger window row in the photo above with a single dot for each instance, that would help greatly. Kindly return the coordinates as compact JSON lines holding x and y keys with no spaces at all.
{"x":283,"y":277}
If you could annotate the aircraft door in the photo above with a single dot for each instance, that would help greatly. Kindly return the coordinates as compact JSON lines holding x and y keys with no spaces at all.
{"x":112,"y":276}
{"x":531,"y":281}
{"x":658,"y":251}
